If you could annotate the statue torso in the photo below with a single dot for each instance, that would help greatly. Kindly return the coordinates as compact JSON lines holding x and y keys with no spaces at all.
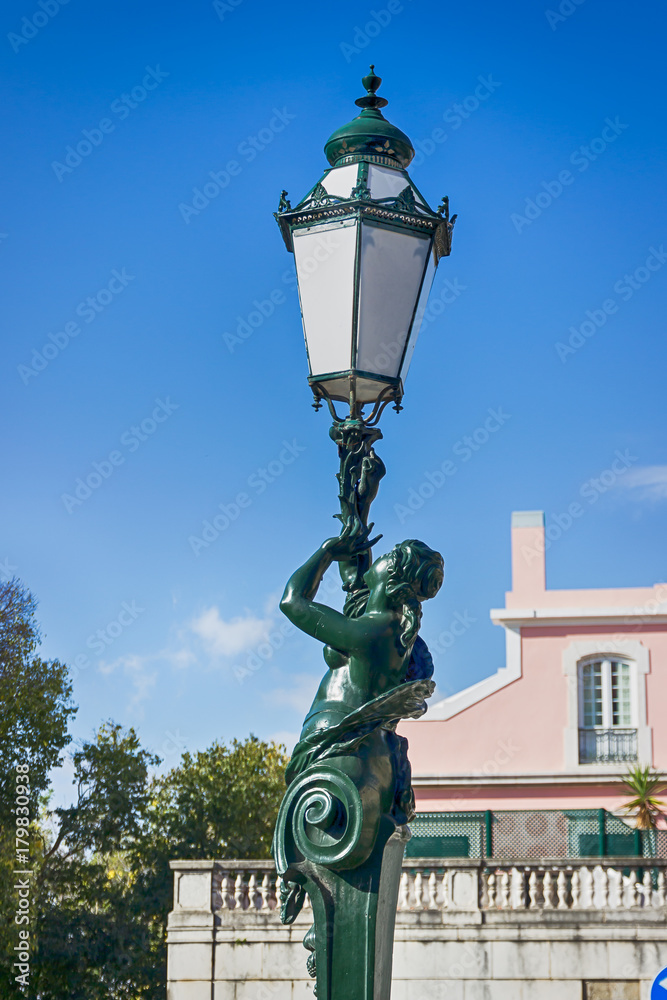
{"x":349,"y":683}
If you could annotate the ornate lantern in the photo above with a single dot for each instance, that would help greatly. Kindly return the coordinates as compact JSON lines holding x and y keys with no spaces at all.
{"x":366,"y":246}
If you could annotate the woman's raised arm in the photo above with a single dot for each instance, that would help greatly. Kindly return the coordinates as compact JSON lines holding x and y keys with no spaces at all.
{"x":324,"y":623}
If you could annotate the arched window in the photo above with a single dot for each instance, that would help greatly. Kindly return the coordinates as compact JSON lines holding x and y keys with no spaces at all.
{"x":607,"y":726}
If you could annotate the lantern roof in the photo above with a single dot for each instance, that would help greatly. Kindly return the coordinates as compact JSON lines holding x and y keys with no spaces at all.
{"x":368,"y":179}
{"x":369,"y":135}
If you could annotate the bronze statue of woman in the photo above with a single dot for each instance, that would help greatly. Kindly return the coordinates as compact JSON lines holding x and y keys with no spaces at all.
{"x":379,"y":669}
{"x":342,"y":826}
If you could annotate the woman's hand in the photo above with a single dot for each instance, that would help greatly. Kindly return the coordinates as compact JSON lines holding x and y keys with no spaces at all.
{"x":352,"y":541}
{"x":372,"y":471}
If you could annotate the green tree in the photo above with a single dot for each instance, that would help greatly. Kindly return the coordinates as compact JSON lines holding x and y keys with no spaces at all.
{"x":219,"y":803}
{"x":35,"y":708}
{"x":91,"y":931}
{"x":35,"y":696}
{"x":102,"y":883}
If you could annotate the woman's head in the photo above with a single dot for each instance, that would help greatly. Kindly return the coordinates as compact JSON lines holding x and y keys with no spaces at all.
{"x":412,"y":573}
{"x":415,"y":567}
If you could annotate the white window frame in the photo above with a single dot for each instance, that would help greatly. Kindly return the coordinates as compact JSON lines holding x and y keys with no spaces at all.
{"x":606,"y":660}
{"x":626,"y":650}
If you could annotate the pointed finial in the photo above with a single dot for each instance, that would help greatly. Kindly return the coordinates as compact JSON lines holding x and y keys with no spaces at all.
{"x":369,"y":135}
{"x":371,"y":84}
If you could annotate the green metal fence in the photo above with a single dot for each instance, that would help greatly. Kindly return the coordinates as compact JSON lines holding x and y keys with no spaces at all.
{"x":531,"y":833}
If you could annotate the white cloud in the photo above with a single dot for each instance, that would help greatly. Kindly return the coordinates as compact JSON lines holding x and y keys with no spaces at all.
{"x":284,"y":736}
{"x":228,"y":638}
{"x":206,"y":637}
{"x":272,"y":602}
{"x":646,"y":484}
{"x":298,"y":695}
{"x":143,"y":680}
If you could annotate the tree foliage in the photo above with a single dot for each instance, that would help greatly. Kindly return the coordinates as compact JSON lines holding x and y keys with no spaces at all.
{"x":35,"y":708}
{"x":35,"y":697}
{"x":102,"y":883}
{"x":219,"y":803}
{"x":105,"y":882}
{"x":87,"y":928}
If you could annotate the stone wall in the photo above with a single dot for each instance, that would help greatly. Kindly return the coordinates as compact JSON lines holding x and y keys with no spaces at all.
{"x":226,"y":941}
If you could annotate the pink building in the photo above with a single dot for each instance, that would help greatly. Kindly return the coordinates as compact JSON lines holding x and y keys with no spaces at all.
{"x":581,"y":696}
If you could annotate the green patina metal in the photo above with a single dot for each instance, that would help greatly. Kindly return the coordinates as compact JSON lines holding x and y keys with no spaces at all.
{"x":522,"y":834}
{"x":369,"y":134}
{"x":342,"y":827}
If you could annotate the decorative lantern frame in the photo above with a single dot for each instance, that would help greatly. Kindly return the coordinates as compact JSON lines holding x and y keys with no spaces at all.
{"x":366,"y":246}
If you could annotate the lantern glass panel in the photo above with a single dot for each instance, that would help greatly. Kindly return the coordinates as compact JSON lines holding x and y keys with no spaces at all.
{"x":340,"y":181}
{"x":366,"y":390}
{"x":325,"y":257}
{"x":419,"y":315}
{"x":385,"y":182}
{"x":392,"y":266}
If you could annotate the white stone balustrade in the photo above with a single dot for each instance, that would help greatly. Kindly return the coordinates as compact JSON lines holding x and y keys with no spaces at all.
{"x":442,"y":884}
{"x":465,"y":929}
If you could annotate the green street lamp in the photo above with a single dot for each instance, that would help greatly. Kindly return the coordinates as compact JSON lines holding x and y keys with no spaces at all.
{"x":366,"y":246}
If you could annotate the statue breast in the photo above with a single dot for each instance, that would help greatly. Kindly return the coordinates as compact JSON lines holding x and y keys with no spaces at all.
{"x":334,"y":658}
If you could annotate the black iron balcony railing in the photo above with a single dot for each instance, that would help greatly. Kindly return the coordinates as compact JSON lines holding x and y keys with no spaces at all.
{"x":607,"y":746}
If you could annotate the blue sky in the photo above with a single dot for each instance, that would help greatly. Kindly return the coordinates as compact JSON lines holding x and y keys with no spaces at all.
{"x":556,"y":169}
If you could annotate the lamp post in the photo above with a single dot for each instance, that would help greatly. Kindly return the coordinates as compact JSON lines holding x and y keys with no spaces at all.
{"x":366,"y":246}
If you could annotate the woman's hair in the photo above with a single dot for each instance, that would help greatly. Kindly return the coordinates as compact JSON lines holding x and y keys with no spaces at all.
{"x":416,"y":573}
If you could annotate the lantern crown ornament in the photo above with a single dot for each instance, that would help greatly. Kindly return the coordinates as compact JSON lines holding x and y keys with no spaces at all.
{"x":366,"y":245}
{"x":369,"y":134}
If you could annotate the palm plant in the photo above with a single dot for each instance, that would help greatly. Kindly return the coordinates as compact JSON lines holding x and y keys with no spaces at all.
{"x":643,"y":783}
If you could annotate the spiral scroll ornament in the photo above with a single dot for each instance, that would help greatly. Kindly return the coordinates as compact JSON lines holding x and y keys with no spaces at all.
{"x":324,"y":820}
